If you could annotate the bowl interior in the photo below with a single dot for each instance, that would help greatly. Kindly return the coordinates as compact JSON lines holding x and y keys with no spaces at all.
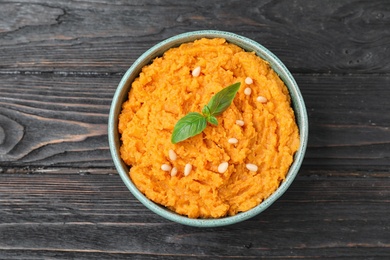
{"x":121,"y":95}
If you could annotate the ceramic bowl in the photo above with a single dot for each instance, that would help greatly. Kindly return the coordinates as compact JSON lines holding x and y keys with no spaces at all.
{"x":121,"y":95}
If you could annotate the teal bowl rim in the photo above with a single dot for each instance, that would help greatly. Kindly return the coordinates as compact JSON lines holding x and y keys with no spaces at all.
{"x":121,"y":94}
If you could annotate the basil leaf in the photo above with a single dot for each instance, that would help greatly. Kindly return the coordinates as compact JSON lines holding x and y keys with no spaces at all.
{"x":194,"y":123}
{"x":223,"y":99}
{"x":206,"y":111}
{"x":212,"y":120}
{"x":188,"y":126}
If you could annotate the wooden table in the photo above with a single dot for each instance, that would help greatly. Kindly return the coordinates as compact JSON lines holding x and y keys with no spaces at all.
{"x":60,"y":195}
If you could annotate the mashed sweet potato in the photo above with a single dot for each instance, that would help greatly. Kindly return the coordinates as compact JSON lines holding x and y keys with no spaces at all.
{"x":166,"y":90}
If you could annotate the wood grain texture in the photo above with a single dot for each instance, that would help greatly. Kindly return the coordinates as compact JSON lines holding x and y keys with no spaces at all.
{"x":60,"y":195}
{"x":95,"y":216}
{"x":106,"y":36}
{"x":56,"y":120}
{"x":349,"y":123}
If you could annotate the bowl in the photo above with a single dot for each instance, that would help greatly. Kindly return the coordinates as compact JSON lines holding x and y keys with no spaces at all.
{"x":121,"y":96}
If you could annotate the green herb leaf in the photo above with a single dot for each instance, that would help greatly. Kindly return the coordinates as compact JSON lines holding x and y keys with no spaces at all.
{"x":188,"y":126}
{"x":223,"y":99}
{"x":212,"y":120}
{"x":194,"y":123}
{"x":206,"y":111}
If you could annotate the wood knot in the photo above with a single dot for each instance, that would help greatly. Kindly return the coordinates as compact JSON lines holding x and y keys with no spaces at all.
{"x":11,"y":132}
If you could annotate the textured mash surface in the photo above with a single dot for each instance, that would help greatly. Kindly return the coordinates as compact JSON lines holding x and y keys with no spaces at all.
{"x":165,"y":91}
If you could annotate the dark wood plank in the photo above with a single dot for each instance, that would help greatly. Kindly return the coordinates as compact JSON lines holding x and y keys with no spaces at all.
{"x":60,"y":195}
{"x":51,"y":119}
{"x":95,"y":216}
{"x":107,"y":36}
{"x":349,"y":121}
{"x":56,"y":120}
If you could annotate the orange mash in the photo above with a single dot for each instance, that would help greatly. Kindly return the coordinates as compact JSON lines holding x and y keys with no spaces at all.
{"x":166,"y":90}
